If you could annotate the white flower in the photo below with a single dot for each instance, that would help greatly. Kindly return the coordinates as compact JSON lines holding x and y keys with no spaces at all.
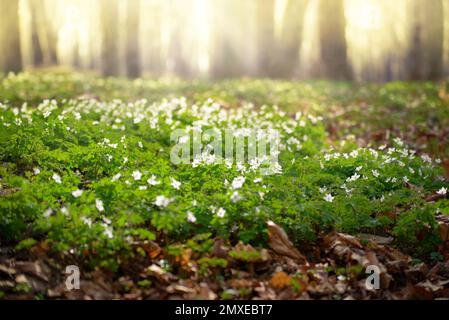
{"x":108,"y":231}
{"x":152,"y":181}
{"x":137,"y":175}
{"x":442,"y":191}
{"x":162,"y":201}
{"x":140,"y":144}
{"x":57,"y":178}
{"x":116,"y":177}
{"x":328,"y":198}
{"x":36,"y":171}
{"x":77,"y":193}
{"x":238,"y":182}
{"x":99,"y":205}
{"x":235,"y":197}
{"x":87,"y":221}
{"x":257,"y":180}
{"x":354,"y":177}
{"x":143,"y":187}
{"x":64,"y":211}
{"x":221,"y":212}
{"x":175,"y":184}
{"x":125,"y":160}
{"x":48,"y":213}
{"x":191,"y":217}
{"x":322,"y":190}
{"x":106,"y":220}
{"x":375,"y":173}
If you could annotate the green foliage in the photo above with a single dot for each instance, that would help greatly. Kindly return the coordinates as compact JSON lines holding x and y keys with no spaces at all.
{"x":418,"y":229}
{"x":92,"y":177}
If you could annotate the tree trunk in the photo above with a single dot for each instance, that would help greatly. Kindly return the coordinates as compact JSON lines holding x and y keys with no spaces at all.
{"x":133,"y":68}
{"x":425,"y":57}
{"x":433,"y":38}
{"x":43,"y":35}
{"x":38,"y":57}
{"x":265,"y":38}
{"x":332,"y":26}
{"x":233,"y":45}
{"x":109,"y":44}
{"x":11,"y":56}
{"x":287,"y":57}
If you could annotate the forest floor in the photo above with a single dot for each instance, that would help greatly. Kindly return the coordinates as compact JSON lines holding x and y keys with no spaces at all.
{"x":364,"y":182}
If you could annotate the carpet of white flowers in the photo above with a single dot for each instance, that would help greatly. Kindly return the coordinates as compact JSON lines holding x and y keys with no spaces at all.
{"x":87,"y":179}
{"x":90,"y":179}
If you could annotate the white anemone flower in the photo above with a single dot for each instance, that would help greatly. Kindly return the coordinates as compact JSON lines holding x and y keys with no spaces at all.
{"x":238,"y":182}
{"x":328,"y":198}
{"x":99,"y":205}
{"x":175,"y":183}
{"x":57,"y":178}
{"x":77,"y":193}
{"x":137,"y":175}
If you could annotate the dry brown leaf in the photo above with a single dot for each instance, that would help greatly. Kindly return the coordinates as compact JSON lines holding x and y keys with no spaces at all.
{"x":280,"y":280}
{"x":281,"y":244}
{"x":219,"y":250}
{"x":36,"y":269}
{"x":375,"y":238}
{"x":151,"y":248}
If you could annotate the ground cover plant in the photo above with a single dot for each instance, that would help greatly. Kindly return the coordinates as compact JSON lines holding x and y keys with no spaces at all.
{"x":87,"y":179}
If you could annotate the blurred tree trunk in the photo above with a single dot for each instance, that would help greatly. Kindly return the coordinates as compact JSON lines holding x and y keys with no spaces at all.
{"x":332,"y":26}
{"x":233,"y":46}
{"x":434,"y":38}
{"x":425,"y":57}
{"x":133,"y":68}
{"x":38,"y":56}
{"x":265,"y":38}
{"x":178,"y":18}
{"x":224,"y":56}
{"x":76,"y":59}
{"x":109,"y":33}
{"x":43,"y":35}
{"x":289,"y":44}
{"x":180,"y":65}
{"x":154,"y":55}
{"x":11,"y":57}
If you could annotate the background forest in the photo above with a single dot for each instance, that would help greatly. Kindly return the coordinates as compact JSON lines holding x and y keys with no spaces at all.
{"x":350,"y":96}
{"x":370,"y":40}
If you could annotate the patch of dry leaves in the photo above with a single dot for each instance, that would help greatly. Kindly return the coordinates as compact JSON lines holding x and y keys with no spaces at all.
{"x":334,"y":269}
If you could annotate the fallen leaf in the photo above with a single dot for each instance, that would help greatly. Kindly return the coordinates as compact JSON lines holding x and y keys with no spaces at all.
{"x":280,"y":280}
{"x":375,"y":238}
{"x":281,"y":244}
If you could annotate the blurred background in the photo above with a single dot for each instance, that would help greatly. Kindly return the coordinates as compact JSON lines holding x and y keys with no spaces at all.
{"x":360,"y":40}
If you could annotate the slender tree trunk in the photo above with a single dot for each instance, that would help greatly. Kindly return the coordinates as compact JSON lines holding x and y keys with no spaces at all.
{"x":287,"y":57}
{"x":133,"y":67}
{"x":181,"y":66}
{"x":38,"y":56}
{"x":433,"y":35}
{"x":332,"y":26}
{"x":44,"y":39}
{"x":425,"y":56}
{"x":109,"y":44}
{"x":11,"y":56}
{"x":265,"y":38}
{"x":233,"y":44}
